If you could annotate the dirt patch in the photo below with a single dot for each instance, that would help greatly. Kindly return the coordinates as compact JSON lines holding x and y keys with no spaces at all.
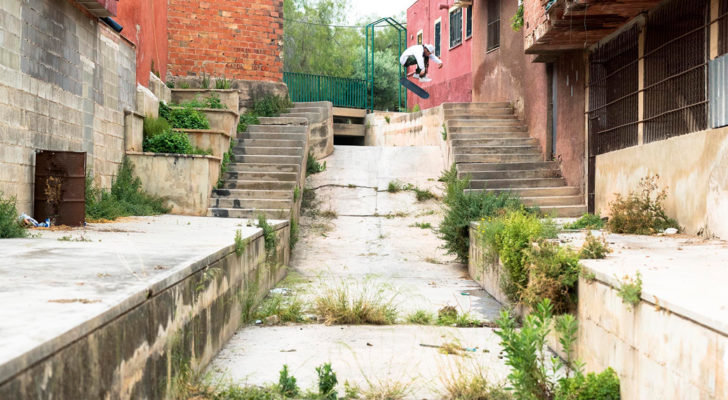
{"x":66,"y":301}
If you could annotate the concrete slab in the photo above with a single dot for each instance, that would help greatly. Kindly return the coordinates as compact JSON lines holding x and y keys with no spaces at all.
{"x":374,"y":244}
{"x":679,"y":273}
{"x":349,"y":112}
{"x":65,"y":283}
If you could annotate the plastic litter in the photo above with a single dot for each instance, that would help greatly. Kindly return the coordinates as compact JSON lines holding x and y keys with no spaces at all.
{"x":670,"y":231}
{"x":281,"y":291}
{"x":465,"y":294}
{"x":27,"y":220}
{"x":258,"y":322}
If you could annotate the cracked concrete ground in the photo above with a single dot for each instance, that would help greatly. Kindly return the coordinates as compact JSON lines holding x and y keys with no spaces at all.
{"x":373,"y":241}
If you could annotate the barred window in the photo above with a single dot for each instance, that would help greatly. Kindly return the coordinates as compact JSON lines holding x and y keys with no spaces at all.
{"x":469,"y":23}
{"x":456,"y":27}
{"x":438,"y":27}
{"x":493,"y":25}
{"x":723,"y":27}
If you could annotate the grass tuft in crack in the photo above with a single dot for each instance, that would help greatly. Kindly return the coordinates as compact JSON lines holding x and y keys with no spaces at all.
{"x":352,"y":304}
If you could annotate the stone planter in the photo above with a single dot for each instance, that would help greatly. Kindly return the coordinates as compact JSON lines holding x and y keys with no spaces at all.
{"x":207,"y":139}
{"x":229,"y":97}
{"x":222,"y":120}
{"x":184,"y":180}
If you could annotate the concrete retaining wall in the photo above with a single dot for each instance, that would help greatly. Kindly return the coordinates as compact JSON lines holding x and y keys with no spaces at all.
{"x":65,"y":81}
{"x":658,"y":350}
{"x":184,"y":180}
{"x":137,"y":349}
{"x":421,"y":128}
{"x":321,"y":131}
{"x":693,"y":168}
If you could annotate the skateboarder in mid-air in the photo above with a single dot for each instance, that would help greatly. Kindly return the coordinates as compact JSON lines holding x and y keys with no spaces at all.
{"x":420,"y":55}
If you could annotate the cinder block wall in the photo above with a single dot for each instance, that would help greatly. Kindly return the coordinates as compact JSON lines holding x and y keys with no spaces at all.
{"x":237,"y":39}
{"x":65,"y":80}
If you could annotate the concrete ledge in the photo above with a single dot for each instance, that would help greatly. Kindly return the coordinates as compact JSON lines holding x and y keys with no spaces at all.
{"x":217,"y":141}
{"x":133,"y":131}
{"x":186,"y":181}
{"x":349,"y":112}
{"x":674,"y":343}
{"x":145,"y":329}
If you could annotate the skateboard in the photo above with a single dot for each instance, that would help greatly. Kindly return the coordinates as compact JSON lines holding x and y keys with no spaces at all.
{"x":414,"y":88}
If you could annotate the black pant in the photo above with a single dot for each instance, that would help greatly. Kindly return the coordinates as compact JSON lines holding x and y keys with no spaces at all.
{"x":413,"y":61}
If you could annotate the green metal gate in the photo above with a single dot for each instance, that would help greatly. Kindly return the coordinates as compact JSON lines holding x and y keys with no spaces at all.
{"x":342,"y":92}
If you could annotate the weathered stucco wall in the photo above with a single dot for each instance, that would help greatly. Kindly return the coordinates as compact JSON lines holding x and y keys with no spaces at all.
{"x":321,"y":131}
{"x":186,"y":181}
{"x":145,"y":25}
{"x":693,"y":168}
{"x":65,"y":81}
{"x":175,"y":326}
{"x":570,"y":72}
{"x":657,"y":352}
{"x":422,"y":128}
{"x":453,"y":82}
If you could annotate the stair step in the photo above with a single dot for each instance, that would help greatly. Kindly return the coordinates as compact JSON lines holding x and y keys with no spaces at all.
{"x":319,"y":104}
{"x":512,"y":174}
{"x":486,"y":129}
{"x":517,"y":183}
{"x":564,"y":211}
{"x":266,"y":159}
{"x":488,"y":135}
{"x":283,"y":121}
{"x":253,"y":194}
{"x":262,"y":176}
{"x":252,"y":167}
{"x":485,"y":167}
{"x":535,"y":192}
{"x":304,"y":109}
{"x":271,"y":136}
{"x":270,"y":143}
{"x":276,"y":129}
{"x":462,"y":106}
{"x":504,"y":113}
{"x":486,"y":123}
{"x":497,"y":158}
{"x":494,"y":142}
{"x":496,"y":150}
{"x":259,"y":185}
{"x":274,"y":204}
{"x":267,"y":151}
{"x":545,"y":201}
{"x":250,"y":213}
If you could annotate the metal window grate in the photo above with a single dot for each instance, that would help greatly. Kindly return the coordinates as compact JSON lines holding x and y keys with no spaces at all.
{"x":723,"y":28}
{"x":675,"y":95}
{"x":613,"y":94}
{"x":438,"y":29}
{"x":456,"y":27}
{"x":493,"y":25}
{"x":469,"y":22}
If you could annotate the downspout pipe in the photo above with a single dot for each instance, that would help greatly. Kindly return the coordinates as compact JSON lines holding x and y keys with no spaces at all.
{"x":113,"y":24}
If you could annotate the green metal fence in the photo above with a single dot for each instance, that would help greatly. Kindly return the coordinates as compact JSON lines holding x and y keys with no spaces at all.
{"x":342,"y":92}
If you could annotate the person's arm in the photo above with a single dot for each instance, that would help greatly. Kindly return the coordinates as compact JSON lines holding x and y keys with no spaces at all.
{"x":436,"y":59}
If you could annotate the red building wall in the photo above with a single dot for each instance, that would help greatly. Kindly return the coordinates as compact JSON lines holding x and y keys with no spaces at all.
{"x":145,"y":25}
{"x":234,"y":38}
{"x":452,"y":83}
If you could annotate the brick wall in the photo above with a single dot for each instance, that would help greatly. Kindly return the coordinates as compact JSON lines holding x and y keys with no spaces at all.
{"x":534,"y":14}
{"x":235,"y":38}
{"x":65,"y":80}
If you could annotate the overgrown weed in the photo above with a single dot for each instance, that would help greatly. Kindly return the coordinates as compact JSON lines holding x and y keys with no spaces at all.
{"x":641,"y":212}
{"x":348,"y":303}
{"x":594,"y":248}
{"x":10,"y":226}
{"x":630,"y":290}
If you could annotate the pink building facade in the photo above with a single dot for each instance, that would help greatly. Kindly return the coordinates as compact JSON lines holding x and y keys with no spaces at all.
{"x":450,"y":30}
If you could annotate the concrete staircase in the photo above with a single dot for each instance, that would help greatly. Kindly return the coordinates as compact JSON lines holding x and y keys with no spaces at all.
{"x":493,"y":147}
{"x":268,"y":165}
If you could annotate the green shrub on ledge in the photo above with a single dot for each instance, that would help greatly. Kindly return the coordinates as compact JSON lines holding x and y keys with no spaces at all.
{"x":183,"y":118}
{"x":641,"y":211}
{"x":172,"y":142}
{"x":10,"y":226}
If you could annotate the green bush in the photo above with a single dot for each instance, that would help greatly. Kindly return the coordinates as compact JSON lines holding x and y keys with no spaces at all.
{"x":213,"y":101}
{"x":155,"y":126}
{"x":463,"y":208}
{"x":287,"y":383}
{"x":313,"y":166}
{"x":587,"y":221}
{"x":245,"y":120}
{"x":271,"y":106}
{"x":327,"y":382}
{"x":173,"y":142}
{"x":223,"y":83}
{"x":641,"y":212}
{"x":183,"y":118}
{"x":125,"y":199}
{"x":603,"y":386}
{"x":10,"y":226}
{"x":594,"y":248}
{"x":630,"y":290}
{"x":553,"y":272}
{"x":535,"y":374}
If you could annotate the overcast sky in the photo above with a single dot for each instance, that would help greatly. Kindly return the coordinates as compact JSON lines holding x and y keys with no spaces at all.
{"x":380,"y":8}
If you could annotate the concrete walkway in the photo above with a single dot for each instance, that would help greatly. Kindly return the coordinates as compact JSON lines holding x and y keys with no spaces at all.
{"x":373,"y":242}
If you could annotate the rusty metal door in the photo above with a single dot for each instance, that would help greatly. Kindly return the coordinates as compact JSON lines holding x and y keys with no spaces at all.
{"x":60,"y":187}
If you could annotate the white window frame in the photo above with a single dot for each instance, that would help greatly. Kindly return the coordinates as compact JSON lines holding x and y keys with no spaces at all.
{"x":449,"y":30}
{"x":420,"y":38}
